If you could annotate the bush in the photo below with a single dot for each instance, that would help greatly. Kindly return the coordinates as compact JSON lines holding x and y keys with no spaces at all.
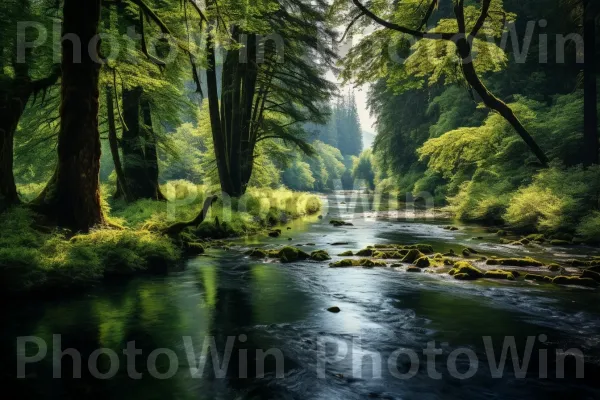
{"x":589,"y":228}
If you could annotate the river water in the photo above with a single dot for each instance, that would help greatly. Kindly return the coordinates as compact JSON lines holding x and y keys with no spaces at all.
{"x":225,"y":301}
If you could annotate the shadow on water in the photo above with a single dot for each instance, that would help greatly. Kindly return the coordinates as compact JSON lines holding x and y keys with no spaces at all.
{"x":252,"y":307}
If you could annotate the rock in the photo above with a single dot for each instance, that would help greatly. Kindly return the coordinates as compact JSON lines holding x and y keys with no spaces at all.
{"x":319,"y":255}
{"x":574,"y":280}
{"x":310,"y":244}
{"x":339,"y":243}
{"x":423,"y":262}
{"x":464,"y":277}
{"x":258,"y":253}
{"x":499,"y":274}
{"x":412,"y":256}
{"x":537,"y":277}
{"x":275,"y":233}
{"x":290,"y":239}
{"x":501,"y":232}
{"x":334,"y":309}
{"x":194,"y":248}
{"x":339,"y":222}
{"x":466,"y":253}
{"x":450,"y":228}
{"x":438,"y":256}
{"x":477,"y":238}
{"x":289,"y":228}
{"x":591,"y":274}
{"x":346,"y":253}
{"x":342,"y":263}
{"x":554,"y":267}
{"x":515,"y":262}
{"x":465,"y":268}
{"x":423,"y":248}
{"x":413,"y":269}
{"x":450,"y":253}
{"x":290,"y":254}
{"x":560,"y":242}
{"x":365,"y":252}
{"x":365,"y":262}
{"x":536,"y":237}
{"x":471,"y":250}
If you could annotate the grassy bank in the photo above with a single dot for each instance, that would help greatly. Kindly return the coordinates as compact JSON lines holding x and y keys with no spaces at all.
{"x":36,"y":258}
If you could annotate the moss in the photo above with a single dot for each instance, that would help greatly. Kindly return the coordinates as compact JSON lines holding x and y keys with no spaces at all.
{"x":536,"y":237}
{"x":413,"y":269}
{"x":515,"y":262}
{"x":574,"y":280}
{"x":412,"y":256}
{"x":319,"y":255}
{"x":346,"y":253}
{"x":423,"y":262}
{"x":290,"y":254}
{"x":365,"y":252}
{"x":465,"y":268}
{"x":342,"y":263}
{"x":591,"y":274}
{"x":499,"y":274}
{"x":258,"y":253}
{"x":554,"y":267}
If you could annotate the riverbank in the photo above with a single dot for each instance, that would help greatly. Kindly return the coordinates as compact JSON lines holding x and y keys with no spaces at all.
{"x":36,"y":259}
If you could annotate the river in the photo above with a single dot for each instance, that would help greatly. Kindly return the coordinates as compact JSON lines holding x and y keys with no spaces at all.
{"x":387,"y":316}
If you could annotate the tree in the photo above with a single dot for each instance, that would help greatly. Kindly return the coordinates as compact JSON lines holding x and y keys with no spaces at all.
{"x":463,"y":39}
{"x":590,"y":133}
{"x":262,"y":96}
{"x":72,"y":197}
{"x":16,"y":92}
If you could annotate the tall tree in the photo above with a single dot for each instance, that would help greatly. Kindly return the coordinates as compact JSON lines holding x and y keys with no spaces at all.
{"x":463,"y":39}
{"x":72,"y":197}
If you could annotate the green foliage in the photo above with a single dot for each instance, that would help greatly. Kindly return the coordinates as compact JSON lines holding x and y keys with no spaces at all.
{"x":362,"y":168}
{"x":299,"y":176}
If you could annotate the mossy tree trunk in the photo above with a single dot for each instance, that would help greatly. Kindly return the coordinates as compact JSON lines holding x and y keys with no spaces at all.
{"x":72,"y":197}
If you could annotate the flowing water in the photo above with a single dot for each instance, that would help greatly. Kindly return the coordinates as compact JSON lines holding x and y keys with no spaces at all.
{"x":247,"y":306}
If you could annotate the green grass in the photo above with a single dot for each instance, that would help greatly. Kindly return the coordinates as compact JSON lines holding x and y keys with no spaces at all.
{"x":34,"y":258}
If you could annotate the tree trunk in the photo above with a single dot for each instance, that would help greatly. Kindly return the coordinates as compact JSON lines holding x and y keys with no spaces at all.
{"x":114,"y":147}
{"x":215,"y":118}
{"x":494,"y":103}
{"x":133,"y":146}
{"x":72,"y":197}
{"x":590,"y":131}
{"x":150,"y":153}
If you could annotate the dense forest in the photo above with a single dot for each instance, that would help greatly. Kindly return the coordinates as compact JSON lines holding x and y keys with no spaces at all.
{"x":159,"y":152}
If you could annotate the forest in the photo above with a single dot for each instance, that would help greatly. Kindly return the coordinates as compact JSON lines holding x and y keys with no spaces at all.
{"x":263,"y":168}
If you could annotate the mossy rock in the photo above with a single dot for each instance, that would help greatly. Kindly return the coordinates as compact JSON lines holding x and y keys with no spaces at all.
{"x":423,"y":262}
{"x":365,"y":262}
{"x":574,"y":280}
{"x":466,"y":253}
{"x":499,"y":274}
{"x":505,"y":241}
{"x":365,"y":252}
{"x":424,"y":248}
{"x":319,"y":255}
{"x":448,"y":261}
{"x":465,"y":268}
{"x":258,"y":253}
{"x":412,"y":256}
{"x":591,"y":274}
{"x":438,"y":256}
{"x":339,"y":222}
{"x":515,"y":262}
{"x":290,"y":254}
{"x":560,"y":242}
{"x":537,"y":277}
{"x":342,"y":263}
{"x":346,"y":253}
{"x":501,"y":232}
{"x":392,"y":255}
{"x":413,"y":269}
{"x":554,"y":267}
{"x":516,"y":243}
